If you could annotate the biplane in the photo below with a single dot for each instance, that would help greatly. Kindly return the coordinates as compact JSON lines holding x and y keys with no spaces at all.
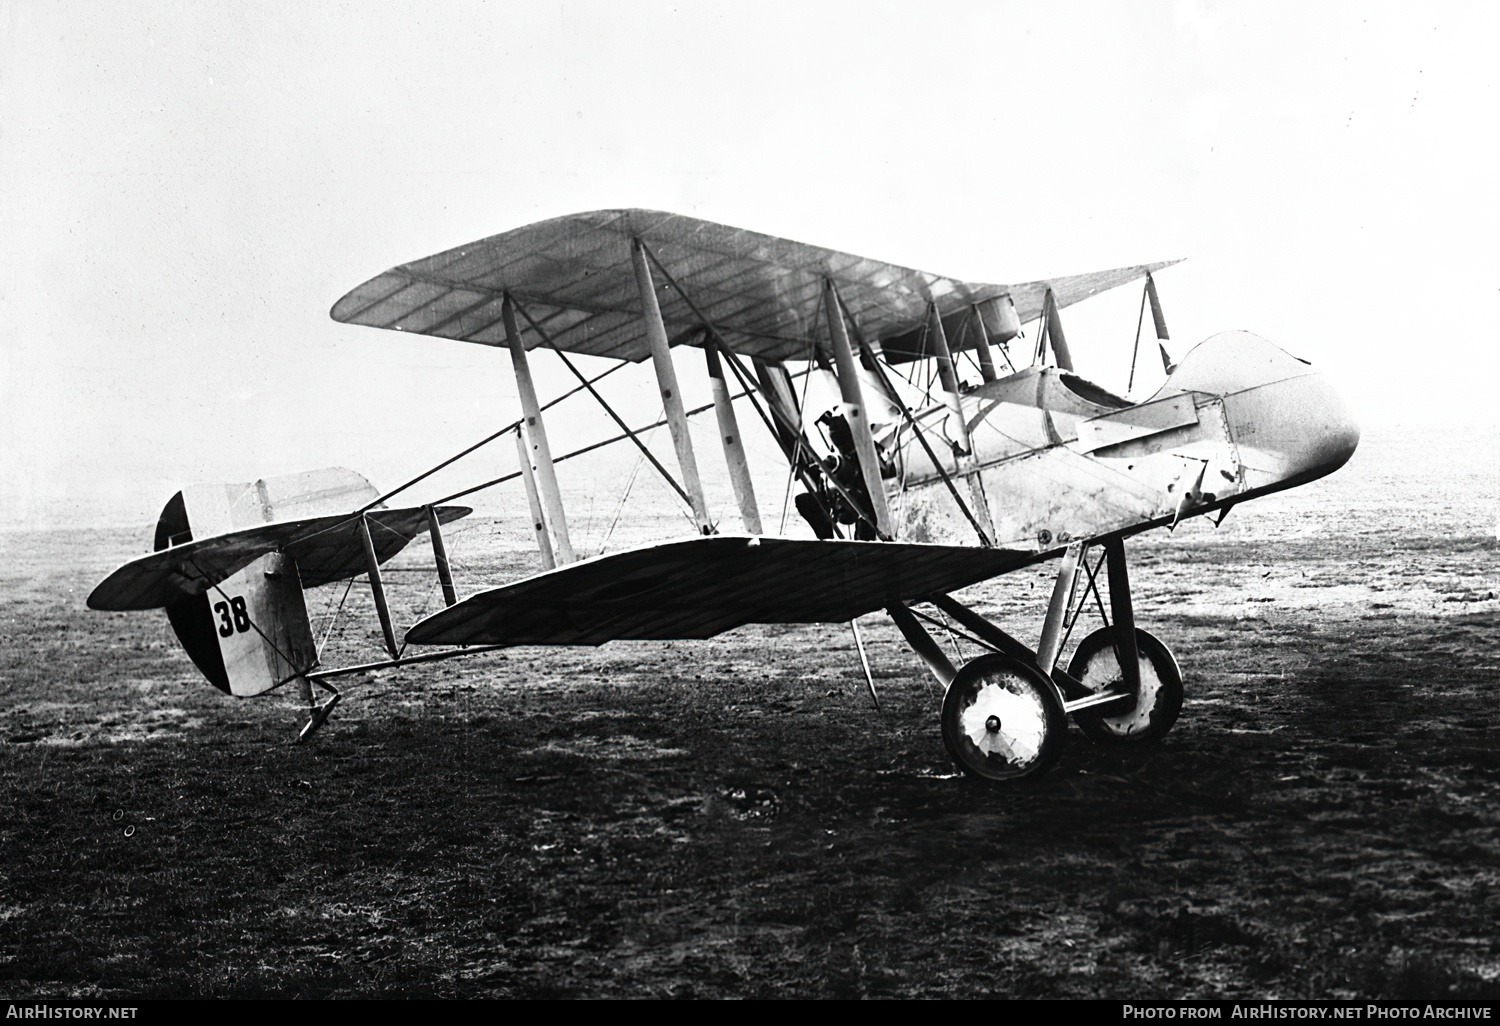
{"x":913,"y":485}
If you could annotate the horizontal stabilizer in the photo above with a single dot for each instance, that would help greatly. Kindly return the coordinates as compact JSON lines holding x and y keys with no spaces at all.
{"x":705,"y":586}
{"x":326,"y":549}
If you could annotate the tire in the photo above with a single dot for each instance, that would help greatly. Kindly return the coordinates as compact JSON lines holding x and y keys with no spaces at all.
{"x":1002,"y":720}
{"x":1157,"y":705}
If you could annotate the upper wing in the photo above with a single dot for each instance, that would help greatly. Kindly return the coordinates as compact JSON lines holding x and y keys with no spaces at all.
{"x":574,"y":275}
{"x":702,"y":587}
{"x":326,"y":549}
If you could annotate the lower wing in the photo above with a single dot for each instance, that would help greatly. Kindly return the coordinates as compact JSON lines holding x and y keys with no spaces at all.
{"x":702,"y":587}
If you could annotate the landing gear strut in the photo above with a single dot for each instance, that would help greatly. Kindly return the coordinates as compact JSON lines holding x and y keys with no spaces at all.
{"x":320,"y":713}
{"x":1004,"y":714}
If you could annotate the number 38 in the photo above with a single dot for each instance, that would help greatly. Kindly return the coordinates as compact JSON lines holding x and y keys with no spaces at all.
{"x":233,"y":616}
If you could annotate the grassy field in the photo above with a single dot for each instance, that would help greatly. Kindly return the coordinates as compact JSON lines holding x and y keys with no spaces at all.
{"x":732,"y":818}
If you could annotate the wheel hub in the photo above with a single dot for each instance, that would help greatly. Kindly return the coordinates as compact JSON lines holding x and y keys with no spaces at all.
{"x":1002,"y":722}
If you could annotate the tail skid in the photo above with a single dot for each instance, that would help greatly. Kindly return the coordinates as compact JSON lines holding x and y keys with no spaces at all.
{"x":320,"y":713}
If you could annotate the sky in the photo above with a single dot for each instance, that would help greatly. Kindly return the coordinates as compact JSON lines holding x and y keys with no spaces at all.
{"x":185,"y":190}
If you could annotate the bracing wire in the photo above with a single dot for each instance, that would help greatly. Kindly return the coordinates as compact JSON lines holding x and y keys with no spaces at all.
{"x":333,"y":620}
{"x":629,"y":483}
{"x":812,"y":344}
{"x":952,"y":640}
{"x":488,"y":439}
{"x":953,"y":630}
{"x":1083,"y":599}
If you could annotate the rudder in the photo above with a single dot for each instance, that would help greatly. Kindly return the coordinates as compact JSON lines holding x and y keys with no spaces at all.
{"x":250,"y":633}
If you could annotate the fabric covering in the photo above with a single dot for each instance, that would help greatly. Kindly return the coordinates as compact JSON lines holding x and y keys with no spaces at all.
{"x":702,"y":587}
{"x":574,"y":275}
{"x":326,"y":549}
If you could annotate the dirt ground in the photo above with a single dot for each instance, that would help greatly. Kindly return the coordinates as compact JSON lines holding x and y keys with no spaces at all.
{"x":733,"y":818}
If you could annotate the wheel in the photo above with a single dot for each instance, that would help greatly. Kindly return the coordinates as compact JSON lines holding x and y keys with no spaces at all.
{"x":1157,"y":704}
{"x":1002,"y":720}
